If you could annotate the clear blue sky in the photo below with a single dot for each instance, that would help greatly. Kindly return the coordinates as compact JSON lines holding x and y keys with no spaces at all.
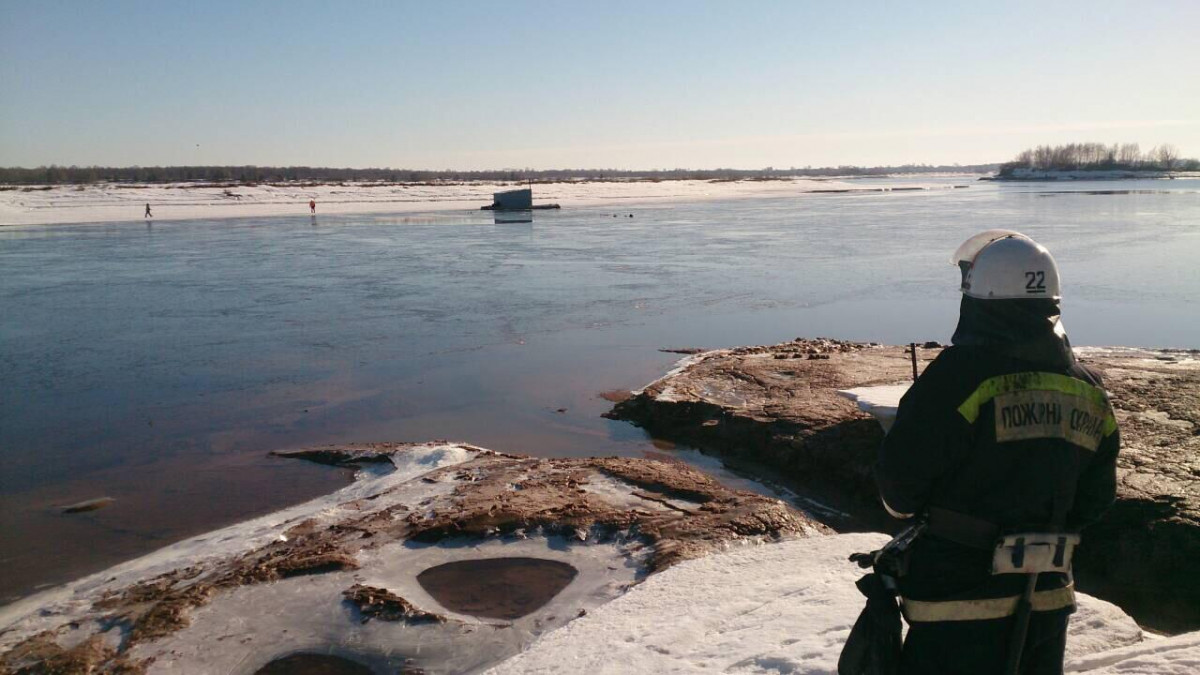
{"x":589,"y":84}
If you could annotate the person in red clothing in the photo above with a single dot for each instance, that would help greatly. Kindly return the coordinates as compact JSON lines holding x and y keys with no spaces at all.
{"x":312,"y":206}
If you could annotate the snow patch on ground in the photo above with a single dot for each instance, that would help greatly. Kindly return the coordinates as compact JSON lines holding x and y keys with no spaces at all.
{"x":775,"y":608}
{"x":1179,"y":655}
{"x":626,"y":495}
{"x":879,"y":402}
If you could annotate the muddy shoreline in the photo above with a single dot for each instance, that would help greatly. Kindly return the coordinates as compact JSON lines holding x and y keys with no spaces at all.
{"x":778,"y":406}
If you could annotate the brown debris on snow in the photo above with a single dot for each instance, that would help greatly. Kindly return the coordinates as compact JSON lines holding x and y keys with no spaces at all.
{"x":162,"y":605}
{"x":382,"y":604}
{"x":42,"y":655}
{"x":504,"y":494}
{"x":778,"y":406}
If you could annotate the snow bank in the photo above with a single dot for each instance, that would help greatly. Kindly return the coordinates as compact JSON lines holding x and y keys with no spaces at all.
{"x":108,"y":202}
{"x":1179,"y":655}
{"x":878,"y":402}
{"x":775,"y":608}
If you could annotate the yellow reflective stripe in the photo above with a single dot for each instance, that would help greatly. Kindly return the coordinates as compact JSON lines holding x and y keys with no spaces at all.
{"x":1002,"y":384}
{"x":918,"y":611}
{"x":1110,"y":424}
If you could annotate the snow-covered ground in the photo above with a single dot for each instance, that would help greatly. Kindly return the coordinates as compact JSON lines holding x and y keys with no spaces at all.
{"x":787,"y":608}
{"x":110,"y":202}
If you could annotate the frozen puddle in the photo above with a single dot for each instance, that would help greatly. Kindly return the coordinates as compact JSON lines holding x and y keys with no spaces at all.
{"x":314,"y":664}
{"x":497,"y":588}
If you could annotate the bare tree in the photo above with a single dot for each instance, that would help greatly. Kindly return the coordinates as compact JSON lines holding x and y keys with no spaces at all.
{"x":1076,"y":156}
{"x":1167,"y":157}
{"x":1129,"y":154}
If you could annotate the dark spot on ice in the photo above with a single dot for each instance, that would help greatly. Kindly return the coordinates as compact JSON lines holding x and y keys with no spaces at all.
{"x":497,"y":588}
{"x":316,"y":664}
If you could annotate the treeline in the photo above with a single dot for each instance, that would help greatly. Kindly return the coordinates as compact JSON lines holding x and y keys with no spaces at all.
{"x":55,"y":175}
{"x":1098,"y":156}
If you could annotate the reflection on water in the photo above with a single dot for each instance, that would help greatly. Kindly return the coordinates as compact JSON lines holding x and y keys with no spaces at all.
{"x":157,"y":364}
{"x":512,"y":217}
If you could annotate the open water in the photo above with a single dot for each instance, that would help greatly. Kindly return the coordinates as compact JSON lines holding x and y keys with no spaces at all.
{"x":158,"y":363}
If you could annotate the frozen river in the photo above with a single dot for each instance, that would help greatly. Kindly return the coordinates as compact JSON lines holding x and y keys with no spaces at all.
{"x":157,"y":363}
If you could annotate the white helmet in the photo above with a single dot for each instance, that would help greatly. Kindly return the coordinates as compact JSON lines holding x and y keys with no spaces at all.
{"x":1002,"y":264}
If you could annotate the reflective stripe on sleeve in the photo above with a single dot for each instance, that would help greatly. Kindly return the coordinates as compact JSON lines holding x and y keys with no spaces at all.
{"x":919,"y":611}
{"x":1035,"y":381}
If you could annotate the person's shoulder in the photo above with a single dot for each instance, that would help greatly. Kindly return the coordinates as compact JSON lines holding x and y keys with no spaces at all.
{"x":1087,"y":374}
{"x":953,"y":373}
{"x":943,"y":385}
{"x":953,"y":360}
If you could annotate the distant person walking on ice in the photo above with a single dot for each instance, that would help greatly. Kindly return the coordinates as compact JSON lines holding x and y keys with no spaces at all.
{"x":312,"y":206}
{"x":148,"y":214}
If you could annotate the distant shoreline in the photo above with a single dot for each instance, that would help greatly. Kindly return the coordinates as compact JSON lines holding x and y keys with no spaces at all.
{"x":125,"y":202}
{"x":242,"y":175}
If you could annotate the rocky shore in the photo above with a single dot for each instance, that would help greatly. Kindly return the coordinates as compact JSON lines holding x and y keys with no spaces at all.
{"x":779,"y":406}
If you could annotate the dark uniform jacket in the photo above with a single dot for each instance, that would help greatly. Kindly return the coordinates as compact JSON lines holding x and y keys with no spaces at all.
{"x":1004,"y":427}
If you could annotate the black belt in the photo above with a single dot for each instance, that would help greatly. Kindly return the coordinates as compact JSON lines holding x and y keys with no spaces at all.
{"x":962,"y":529}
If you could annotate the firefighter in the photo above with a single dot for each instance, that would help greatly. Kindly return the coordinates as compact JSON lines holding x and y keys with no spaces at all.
{"x":1005,"y":448}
